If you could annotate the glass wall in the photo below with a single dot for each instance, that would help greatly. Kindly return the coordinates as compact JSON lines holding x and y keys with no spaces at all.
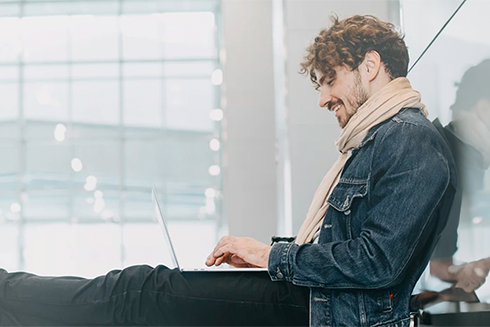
{"x":99,"y":101}
{"x":453,"y":79}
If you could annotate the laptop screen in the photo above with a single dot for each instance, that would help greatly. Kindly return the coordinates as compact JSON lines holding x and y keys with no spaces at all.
{"x":163,"y":224}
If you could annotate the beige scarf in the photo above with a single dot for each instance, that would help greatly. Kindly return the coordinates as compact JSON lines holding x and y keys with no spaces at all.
{"x":383,"y":105}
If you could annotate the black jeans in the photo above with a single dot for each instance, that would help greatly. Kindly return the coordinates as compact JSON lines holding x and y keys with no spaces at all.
{"x":142,"y":295}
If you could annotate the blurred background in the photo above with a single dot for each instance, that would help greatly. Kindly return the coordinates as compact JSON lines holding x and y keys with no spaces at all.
{"x":100,"y":100}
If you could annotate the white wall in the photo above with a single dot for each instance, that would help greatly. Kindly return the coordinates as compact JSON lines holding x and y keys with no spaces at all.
{"x":254,"y":198}
{"x":249,"y":176}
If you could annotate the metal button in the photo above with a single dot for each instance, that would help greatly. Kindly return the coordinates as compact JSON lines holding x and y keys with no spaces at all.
{"x":347,"y":212}
{"x":327,"y":226}
{"x":279,"y":274}
{"x":346,"y":202}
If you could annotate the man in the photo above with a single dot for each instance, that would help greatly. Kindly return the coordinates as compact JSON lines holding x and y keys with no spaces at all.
{"x":469,"y":137}
{"x":367,"y":237}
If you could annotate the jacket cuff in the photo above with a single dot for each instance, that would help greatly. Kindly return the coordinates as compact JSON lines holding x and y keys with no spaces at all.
{"x":278,"y":267}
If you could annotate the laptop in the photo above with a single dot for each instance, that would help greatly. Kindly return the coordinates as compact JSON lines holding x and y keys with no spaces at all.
{"x":166,"y":234}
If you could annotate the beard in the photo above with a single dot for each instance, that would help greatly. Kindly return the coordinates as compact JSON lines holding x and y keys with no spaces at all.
{"x":356,"y":98}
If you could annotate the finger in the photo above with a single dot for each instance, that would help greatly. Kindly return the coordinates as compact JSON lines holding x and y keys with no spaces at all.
{"x":219,"y":260}
{"x":225,"y":249}
{"x":232,"y":260}
{"x":237,"y":260}
{"x":210,"y":260}
{"x":223,"y":258}
{"x":224,"y":241}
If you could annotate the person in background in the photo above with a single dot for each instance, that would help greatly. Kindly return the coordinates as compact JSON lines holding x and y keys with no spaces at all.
{"x":468,"y":135}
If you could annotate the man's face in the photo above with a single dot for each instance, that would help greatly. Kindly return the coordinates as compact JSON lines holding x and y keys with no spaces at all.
{"x":343,"y":94}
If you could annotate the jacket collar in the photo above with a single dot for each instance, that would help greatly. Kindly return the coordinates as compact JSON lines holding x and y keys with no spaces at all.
{"x":374,"y":130}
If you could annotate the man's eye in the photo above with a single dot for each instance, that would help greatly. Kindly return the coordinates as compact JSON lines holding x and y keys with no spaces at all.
{"x":329,"y":83}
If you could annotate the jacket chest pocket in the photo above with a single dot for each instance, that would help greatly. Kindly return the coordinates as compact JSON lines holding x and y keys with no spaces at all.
{"x":342,"y":198}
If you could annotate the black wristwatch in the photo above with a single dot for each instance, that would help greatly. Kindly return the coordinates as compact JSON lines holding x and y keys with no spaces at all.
{"x":279,"y":239}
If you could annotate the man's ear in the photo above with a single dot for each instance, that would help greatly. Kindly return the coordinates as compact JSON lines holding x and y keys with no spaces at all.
{"x":372,"y":64}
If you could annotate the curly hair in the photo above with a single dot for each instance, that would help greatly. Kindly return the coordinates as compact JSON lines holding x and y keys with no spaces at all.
{"x":347,"y":41}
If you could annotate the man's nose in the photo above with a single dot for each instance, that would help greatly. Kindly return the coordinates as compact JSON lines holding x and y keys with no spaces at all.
{"x":324,"y":99}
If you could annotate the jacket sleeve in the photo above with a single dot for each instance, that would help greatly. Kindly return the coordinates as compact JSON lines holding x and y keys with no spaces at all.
{"x":447,"y":245}
{"x":409,"y":177}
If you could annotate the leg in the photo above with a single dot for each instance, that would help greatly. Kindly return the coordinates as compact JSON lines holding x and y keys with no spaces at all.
{"x":142,"y":295}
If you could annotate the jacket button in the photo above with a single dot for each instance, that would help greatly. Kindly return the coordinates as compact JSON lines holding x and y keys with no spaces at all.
{"x":279,"y":274}
{"x":347,"y":212}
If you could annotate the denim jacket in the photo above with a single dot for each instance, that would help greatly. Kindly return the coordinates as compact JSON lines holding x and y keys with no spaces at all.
{"x":383,"y":221}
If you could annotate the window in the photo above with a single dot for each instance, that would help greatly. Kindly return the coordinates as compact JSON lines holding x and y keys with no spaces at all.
{"x":100,"y":101}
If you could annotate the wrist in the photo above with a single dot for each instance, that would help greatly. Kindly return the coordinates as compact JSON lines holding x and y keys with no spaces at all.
{"x":267,"y":255}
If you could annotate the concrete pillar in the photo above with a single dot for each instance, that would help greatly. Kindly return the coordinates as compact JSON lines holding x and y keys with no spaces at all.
{"x":249,"y":165}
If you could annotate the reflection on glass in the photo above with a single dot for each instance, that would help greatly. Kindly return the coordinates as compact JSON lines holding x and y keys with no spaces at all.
{"x":216,"y":114}
{"x":217,"y":77}
{"x":98,"y":194}
{"x":214,"y":170}
{"x":76,"y":164}
{"x":469,"y":136}
{"x":214,"y":144}
{"x":453,"y":80}
{"x":210,"y":193}
{"x":90,"y":183}
{"x":99,"y":205}
{"x":59,"y":132}
{"x":46,"y":101}
{"x":15,"y":207}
